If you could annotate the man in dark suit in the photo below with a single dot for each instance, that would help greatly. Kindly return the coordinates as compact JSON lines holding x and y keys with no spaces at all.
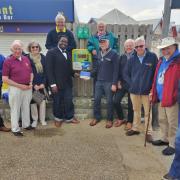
{"x":59,"y":74}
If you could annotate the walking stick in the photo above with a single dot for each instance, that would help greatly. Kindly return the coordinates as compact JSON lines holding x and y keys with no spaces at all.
{"x":150,"y":107}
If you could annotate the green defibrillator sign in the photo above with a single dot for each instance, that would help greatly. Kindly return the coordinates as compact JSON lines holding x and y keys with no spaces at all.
{"x":82,"y":32}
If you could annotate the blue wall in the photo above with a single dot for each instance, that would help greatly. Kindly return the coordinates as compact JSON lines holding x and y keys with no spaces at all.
{"x":35,"y":10}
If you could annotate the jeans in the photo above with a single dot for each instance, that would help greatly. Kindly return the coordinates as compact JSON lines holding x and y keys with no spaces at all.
{"x":63,"y":107}
{"x":101,"y":88}
{"x":117,"y":105}
{"x":175,"y":166}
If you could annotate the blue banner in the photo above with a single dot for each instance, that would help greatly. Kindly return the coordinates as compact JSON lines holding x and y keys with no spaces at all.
{"x":175,"y":4}
{"x":35,"y":10}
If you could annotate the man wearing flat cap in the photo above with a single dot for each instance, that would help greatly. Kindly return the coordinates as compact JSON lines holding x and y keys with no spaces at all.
{"x":165,"y":91}
{"x":106,"y":71}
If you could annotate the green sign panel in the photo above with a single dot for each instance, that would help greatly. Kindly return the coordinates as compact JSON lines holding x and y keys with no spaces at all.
{"x":82,"y":32}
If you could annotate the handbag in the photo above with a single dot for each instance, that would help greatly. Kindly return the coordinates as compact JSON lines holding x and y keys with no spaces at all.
{"x":38,"y":97}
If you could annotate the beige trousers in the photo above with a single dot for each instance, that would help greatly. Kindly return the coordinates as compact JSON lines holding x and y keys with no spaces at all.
{"x":41,"y":113}
{"x":19,"y":101}
{"x":168,"y":121}
{"x":137,"y":102}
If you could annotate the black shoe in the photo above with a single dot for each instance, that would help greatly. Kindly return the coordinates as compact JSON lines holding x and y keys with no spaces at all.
{"x":168,"y":151}
{"x":20,"y":122}
{"x":29,"y":128}
{"x":19,"y":133}
{"x":168,"y":177}
{"x":160,"y":143}
{"x":132,"y":132}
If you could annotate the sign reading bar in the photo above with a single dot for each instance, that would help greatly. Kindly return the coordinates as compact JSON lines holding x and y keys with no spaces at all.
{"x":35,"y":10}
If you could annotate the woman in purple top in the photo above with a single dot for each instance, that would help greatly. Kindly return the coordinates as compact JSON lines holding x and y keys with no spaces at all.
{"x":17,"y":73}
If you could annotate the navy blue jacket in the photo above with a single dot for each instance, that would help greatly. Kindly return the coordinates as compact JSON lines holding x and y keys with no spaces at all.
{"x":53,"y":38}
{"x":107,"y":67}
{"x":39,"y":78}
{"x":2,"y":58}
{"x":122,"y":65}
{"x":139,"y":77}
{"x":179,"y":93}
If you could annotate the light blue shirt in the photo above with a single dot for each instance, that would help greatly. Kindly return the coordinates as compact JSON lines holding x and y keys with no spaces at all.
{"x":142,"y":57}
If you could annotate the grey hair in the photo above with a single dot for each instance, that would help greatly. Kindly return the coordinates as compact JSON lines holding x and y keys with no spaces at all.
{"x":140,"y":39}
{"x":31,"y":43}
{"x":16,"y":42}
{"x":129,"y":41}
{"x":60,"y":16}
{"x":101,"y":22}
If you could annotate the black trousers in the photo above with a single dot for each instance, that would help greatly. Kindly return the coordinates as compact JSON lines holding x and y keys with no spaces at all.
{"x":1,"y":122}
{"x":118,"y":108}
{"x":63,"y":107}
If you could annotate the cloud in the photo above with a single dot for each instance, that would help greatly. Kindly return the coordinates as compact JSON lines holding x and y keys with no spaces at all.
{"x":137,"y":9}
{"x":148,"y":14}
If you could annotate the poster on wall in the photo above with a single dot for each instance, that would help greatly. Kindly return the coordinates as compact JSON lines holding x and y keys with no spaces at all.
{"x":82,"y":61}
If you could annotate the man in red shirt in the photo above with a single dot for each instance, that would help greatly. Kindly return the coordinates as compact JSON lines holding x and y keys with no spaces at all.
{"x":17,"y":73}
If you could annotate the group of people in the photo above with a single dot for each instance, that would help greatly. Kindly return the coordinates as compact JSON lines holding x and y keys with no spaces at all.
{"x":147,"y":81}
{"x":137,"y":73}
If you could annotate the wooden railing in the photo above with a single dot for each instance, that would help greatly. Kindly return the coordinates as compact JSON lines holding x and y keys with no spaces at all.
{"x":123,"y":32}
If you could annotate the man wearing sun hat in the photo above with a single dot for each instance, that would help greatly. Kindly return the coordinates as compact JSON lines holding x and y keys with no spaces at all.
{"x":164,"y":92}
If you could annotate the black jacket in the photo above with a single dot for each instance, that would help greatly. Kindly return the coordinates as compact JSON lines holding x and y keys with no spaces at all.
{"x":53,"y":38}
{"x":39,"y":78}
{"x":139,"y":77}
{"x":122,"y":64}
{"x":59,"y":69}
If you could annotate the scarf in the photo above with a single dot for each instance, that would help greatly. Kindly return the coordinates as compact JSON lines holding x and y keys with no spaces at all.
{"x":37,"y":62}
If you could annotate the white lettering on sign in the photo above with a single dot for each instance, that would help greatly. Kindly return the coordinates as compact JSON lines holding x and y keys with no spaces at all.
{"x":6,"y":13}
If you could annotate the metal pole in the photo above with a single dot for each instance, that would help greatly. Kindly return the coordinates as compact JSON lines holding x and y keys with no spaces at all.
{"x":166,"y":18}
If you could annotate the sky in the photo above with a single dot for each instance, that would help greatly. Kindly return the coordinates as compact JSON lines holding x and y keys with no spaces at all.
{"x":137,"y":9}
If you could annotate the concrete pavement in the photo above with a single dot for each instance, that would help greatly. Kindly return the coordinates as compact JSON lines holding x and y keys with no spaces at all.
{"x":79,"y":152}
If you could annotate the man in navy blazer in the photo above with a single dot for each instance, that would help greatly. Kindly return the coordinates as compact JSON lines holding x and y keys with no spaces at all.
{"x":59,"y":73}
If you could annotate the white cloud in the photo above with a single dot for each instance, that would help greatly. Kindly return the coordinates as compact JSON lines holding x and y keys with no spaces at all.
{"x":137,"y":9}
{"x":148,"y":14}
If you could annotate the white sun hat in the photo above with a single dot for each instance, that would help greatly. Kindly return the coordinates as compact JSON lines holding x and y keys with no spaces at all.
{"x":168,"y":41}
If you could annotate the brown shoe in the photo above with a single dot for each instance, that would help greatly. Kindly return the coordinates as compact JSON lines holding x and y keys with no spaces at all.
{"x":58,"y":123}
{"x":118,"y":123}
{"x":128,"y":126}
{"x":109,"y":124}
{"x":93,"y":122}
{"x":5,"y":129}
{"x":149,"y":138}
{"x":75,"y":121}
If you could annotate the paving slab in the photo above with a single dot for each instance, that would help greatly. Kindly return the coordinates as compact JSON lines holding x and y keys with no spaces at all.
{"x":79,"y":152}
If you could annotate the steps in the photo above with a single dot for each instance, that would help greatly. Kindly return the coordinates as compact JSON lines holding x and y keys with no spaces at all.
{"x":83,"y":108}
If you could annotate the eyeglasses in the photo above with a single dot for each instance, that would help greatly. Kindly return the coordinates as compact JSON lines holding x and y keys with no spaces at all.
{"x":33,"y":47}
{"x":140,"y":46}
